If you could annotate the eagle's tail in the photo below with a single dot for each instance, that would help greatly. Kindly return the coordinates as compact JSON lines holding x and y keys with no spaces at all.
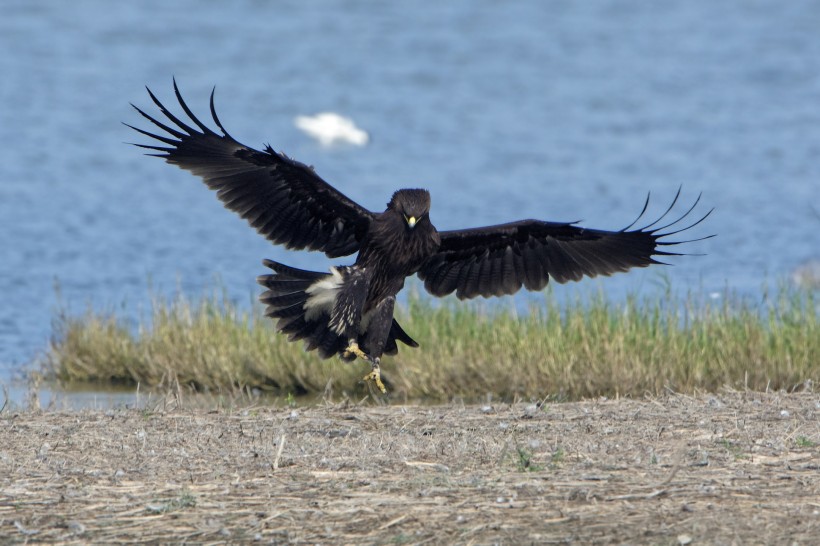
{"x":302,"y":300}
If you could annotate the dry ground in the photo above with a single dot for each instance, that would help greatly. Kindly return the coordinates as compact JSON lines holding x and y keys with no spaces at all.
{"x":732,"y":468}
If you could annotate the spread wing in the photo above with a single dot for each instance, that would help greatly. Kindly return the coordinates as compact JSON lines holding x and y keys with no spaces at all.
{"x":498,"y":260}
{"x":286,"y":201}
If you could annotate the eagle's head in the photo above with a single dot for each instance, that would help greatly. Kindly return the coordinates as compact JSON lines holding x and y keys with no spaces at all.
{"x":413,"y":205}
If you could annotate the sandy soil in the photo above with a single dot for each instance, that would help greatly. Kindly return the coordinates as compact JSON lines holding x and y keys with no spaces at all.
{"x":732,"y":468}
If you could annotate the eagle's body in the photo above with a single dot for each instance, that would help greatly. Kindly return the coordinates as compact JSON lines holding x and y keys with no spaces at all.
{"x":352,"y":307}
{"x":349,"y":311}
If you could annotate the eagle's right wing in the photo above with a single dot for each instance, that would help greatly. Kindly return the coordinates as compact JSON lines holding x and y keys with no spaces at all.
{"x":284,"y":200}
{"x":498,"y":260}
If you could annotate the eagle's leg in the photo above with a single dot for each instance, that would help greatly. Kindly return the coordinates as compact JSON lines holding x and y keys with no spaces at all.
{"x":378,"y":323}
{"x":347,"y":310}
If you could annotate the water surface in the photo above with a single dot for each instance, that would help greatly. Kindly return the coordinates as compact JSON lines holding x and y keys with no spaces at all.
{"x":555,"y":110}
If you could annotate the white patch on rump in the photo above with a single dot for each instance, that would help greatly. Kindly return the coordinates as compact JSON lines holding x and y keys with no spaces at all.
{"x":322,"y":294}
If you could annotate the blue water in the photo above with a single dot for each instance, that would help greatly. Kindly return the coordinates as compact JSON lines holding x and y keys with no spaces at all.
{"x":556,"y":110}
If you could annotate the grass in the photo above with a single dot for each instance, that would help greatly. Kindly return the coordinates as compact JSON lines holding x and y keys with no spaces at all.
{"x":587,"y":347}
{"x":733,"y":448}
{"x":524,"y":462}
{"x":802,"y":441}
{"x":185,"y":500}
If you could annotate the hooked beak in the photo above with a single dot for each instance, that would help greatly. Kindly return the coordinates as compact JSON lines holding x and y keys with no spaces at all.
{"x":411,"y":221}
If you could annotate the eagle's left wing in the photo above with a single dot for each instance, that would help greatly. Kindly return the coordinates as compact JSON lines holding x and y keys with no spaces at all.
{"x":498,"y":260}
{"x":286,"y":201}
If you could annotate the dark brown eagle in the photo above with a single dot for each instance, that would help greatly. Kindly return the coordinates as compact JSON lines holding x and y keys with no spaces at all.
{"x":349,"y":311}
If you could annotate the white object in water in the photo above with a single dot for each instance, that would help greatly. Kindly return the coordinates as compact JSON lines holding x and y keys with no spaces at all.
{"x":330,"y":128}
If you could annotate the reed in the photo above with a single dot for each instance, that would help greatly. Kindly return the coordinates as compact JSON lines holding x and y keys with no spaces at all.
{"x":587,"y":347}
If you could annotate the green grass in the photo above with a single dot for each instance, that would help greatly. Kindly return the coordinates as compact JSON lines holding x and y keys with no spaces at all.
{"x":525,"y":463}
{"x":185,"y":500}
{"x":589,"y":347}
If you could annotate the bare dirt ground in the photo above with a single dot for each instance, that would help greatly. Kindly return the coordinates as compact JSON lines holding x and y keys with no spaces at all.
{"x":731,"y":468}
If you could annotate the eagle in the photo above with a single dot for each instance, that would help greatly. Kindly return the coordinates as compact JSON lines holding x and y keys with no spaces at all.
{"x":349,"y":310}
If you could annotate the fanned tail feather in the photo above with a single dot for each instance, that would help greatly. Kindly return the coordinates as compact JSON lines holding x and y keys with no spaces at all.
{"x":286,"y":298}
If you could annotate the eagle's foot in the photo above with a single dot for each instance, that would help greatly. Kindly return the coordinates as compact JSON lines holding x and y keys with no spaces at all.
{"x":375,"y":375}
{"x":353,"y":349}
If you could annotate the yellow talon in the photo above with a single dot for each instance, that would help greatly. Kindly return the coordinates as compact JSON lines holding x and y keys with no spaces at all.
{"x":353,"y":349}
{"x":376,"y":376}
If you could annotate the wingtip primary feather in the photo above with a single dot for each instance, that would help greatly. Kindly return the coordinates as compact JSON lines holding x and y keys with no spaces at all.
{"x":690,"y":226}
{"x":215,"y":117}
{"x":666,"y":212}
{"x":166,"y":152}
{"x":157,"y":123}
{"x":204,"y":128}
{"x":684,"y":215}
{"x":643,"y":211}
{"x":656,"y":232}
{"x":166,"y":140}
{"x":179,"y":123}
